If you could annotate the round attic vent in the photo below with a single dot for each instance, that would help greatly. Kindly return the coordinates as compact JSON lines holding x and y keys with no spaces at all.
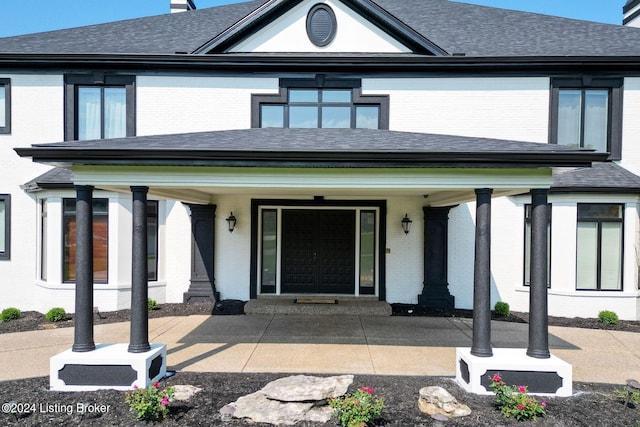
{"x":321,"y":25}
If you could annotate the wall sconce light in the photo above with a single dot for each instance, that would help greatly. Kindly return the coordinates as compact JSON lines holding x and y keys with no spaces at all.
{"x":232,"y":220}
{"x":406,"y":224}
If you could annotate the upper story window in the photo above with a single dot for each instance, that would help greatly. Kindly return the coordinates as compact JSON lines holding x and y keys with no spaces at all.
{"x":5,"y":106}
{"x":99,"y":106}
{"x":320,"y":103}
{"x":587,"y":113}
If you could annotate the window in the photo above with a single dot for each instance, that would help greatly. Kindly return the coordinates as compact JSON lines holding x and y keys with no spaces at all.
{"x":587,"y":113}
{"x":599,"y":247}
{"x":367,"y":252}
{"x":5,"y":106}
{"x":320,"y":103}
{"x":5,"y":227}
{"x":99,"y":106}
{"x":152,"y":240}
{"x":100,"y":240}
{"x":269,"y":257}
{"x":43,"y":238}
{"x":527,"y":245}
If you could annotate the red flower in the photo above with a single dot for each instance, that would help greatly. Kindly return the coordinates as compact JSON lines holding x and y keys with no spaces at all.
{"x":366,"y":390}
{"x":522,"y":389}
{"x":520,"y":407}
{"x":156,"y":385}
{"x":497,"y":378}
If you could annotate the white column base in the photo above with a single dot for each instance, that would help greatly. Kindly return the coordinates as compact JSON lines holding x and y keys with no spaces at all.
{"x":109,"y":366}
{"x":544,"y":377}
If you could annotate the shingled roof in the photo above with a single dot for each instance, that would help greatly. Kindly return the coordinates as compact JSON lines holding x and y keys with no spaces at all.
{"x":599,"y":178}
{"x":458,"y":28}
{"x":311,"y":147}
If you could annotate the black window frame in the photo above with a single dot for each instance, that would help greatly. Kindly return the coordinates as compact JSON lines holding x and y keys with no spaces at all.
{"x":102,"y":80}
{"x":153,"y":212}
{"x":615,"y":86}
{"x":599,"y":222}
{"x":6,"y":254}
{"x":321,"y":82}
{"x":6,"y":84}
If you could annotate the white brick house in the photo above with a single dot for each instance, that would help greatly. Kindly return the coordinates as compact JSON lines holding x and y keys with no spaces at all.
{"x":224,"y":111}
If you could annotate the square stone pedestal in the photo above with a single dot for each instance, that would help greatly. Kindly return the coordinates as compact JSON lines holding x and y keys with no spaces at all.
{"x":109,"y":366}
{"x":546,"y":377}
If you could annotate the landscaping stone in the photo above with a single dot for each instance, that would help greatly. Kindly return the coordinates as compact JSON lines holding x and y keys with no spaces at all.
{"x":437,"y":400}
{"x":290,"y":400}
{"x":184,"y":392}
{"x":304,"y":388}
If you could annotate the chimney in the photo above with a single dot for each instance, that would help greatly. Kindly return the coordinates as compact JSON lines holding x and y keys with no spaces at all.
{"x":182,"y":5}
{"x":631,"y":12}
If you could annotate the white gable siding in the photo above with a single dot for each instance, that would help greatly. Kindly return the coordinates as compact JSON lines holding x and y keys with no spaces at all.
{"x":169,"y":105}
{"x":289,"y":34}
{"x":504,"y":108}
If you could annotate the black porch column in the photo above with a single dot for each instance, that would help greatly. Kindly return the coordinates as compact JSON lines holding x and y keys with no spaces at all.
{"x":481,"y":342}
{"x":435,"y":293}
{"x":139,"y":341}
{"x":202,"y":287}
{"x":538,"y":320}
{"x":83,"y":329}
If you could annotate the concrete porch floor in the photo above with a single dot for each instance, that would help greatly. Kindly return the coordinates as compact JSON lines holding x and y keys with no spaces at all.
{"x":318,"y":305}
{"x":329,"y":344}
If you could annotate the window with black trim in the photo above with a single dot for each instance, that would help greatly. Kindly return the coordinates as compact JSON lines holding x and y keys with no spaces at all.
{"x":587,"y":113}
{"x":100,"y":240}
{"x":152,"y":240}
{"x":599,"y":246}
{"x":320,"y":103}
{"x":99,"y":106}
{"x":527,"y":245}
{"x":5,"y":106}
{"x":5,"y":226}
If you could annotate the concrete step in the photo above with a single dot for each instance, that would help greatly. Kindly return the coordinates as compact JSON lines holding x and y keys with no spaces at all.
{"x":318,"y":306}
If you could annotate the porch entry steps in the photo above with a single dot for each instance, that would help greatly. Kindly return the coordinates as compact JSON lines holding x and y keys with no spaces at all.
{"x":318,"y":306}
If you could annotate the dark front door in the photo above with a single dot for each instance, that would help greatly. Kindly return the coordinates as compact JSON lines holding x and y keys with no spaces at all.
{"x":318,"y":251}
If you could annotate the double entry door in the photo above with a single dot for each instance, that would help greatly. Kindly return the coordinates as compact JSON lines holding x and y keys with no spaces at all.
{"x":318,"y":251}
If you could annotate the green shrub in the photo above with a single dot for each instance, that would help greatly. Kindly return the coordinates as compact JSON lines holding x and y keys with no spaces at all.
{"x":10,"y":313}
{"x":151,"y":304}
{"x":608,"y":317}
{"x":56,"y":314}
{"x":502,"y":309}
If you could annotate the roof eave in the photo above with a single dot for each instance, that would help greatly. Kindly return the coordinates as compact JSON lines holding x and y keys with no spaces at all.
{"x":67,"y":156}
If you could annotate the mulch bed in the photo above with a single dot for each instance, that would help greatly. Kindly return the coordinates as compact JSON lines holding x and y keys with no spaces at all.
{"x":593,"y":404}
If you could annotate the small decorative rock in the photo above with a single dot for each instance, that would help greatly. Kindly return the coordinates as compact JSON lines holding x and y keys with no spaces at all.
{"x":184,"y":392}
{"x":436,"y":400}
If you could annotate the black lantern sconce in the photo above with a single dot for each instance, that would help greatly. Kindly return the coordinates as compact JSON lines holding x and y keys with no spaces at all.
{"x":406,"y":224}
{"x":232,"y":220}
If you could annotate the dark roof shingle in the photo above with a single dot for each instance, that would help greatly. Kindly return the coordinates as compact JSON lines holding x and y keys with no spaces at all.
{"x":455,"y":27}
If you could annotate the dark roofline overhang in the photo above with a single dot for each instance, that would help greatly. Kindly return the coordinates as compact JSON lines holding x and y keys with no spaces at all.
{"x":398,"y":64}
{"x":64,"y":156}
{"x":630,"y":5}
{"x":593,"y":190}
